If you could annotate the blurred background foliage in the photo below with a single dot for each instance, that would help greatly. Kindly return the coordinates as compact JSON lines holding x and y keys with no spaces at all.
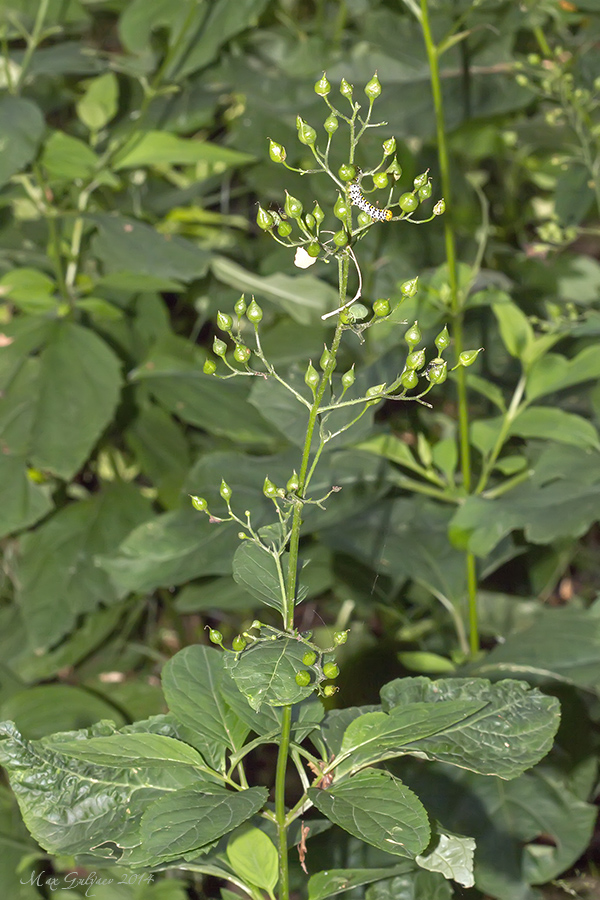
{"x":133,"y":152}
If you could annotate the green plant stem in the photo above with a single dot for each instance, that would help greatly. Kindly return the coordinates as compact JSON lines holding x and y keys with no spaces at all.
{"x":280,"y":810}
{"x":32,"y":43}
{"x":455,"y":306}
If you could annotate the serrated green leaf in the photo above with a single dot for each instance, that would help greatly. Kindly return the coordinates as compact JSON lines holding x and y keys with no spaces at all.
{"x":190,"y":819}
{"x":377,"y":808}
{"x":253,"y":856}
{"x":452,"y":856}
{"x":336,"y":881}
{"x":419,"y":885}
{"x":512,"y":731}
{"x":127,"y":750}
{"x":191,"y":684}
{"x":256,"y":570}
{"x":266,"y":672}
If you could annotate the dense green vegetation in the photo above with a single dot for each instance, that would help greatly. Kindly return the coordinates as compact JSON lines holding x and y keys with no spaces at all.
{"x":139,"y":142}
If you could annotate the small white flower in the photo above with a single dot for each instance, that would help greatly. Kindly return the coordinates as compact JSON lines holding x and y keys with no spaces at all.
{"x":302,"y":259}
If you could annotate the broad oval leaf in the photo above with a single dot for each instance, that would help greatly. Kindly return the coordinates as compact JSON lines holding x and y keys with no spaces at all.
{"x":377,"y":808}
{"x":253,"y":856}
{"x":266,"y":672}
{"x":336,"y":881}
{"x":123,"y":750}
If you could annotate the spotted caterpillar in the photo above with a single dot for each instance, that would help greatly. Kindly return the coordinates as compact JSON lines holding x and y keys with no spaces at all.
{"x":358,"y":199}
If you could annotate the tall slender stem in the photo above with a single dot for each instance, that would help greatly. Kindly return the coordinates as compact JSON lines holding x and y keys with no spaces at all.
{"x":456,"y":305}
{"x":280,"y":809}
{"x":32,"y":43}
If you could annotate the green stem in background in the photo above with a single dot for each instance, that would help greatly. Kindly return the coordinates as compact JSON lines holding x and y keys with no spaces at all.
{"x":32,"y":43}
{"x":455,"y":305}
{"x":280,"y":808}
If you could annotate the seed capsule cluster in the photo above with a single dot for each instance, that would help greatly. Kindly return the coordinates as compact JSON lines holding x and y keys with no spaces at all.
{"x":357,"y":198}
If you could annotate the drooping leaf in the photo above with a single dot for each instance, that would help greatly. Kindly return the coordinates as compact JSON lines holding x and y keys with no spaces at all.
{"x":191,"y":684}
{"x":452,"y":855}
{"x":161,"y":148}
{"x":21,"y":130}
{"x":253,"y":856}
{"x":130,"y":750}
{"x":256,"y":570}
{"x":377,"y":808}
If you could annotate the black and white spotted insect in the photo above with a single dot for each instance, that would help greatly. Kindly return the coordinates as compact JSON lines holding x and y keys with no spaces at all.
{"x":357,"y":198}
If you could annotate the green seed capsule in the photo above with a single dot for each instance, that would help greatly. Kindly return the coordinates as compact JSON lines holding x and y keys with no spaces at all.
{"x":468,"y":357}
{"x":340,"y":637}
{"x":413,"y":336}
{"x":442,"y":340}
{"x":269,"y":489}
{"x":284,"y":229}
{"x":439,"y":208}
{"x":303,"y":678}
{"x":322,"y":87}
{"x":380,"y":180}
{"x":373,"y":88}
{"x":329,"y":690}
{"x":318,"y":213}
{"x":340,"y":238}
{"x":382,"y":308}
{"x":415,"y":360}
{"x":330,"y":670}
{"x":224,"y":322}
{"x":225,"y":491}
{"x":306,"y":134}
{"x":277,"y":152}
{"x":215,"y":636}
{"x":363,"y":219}
{"x":348,"y":379}
{"x":325,"y":359}
{"x":238,"y":644}
{"x":293,"y":207}
{"x":395,"y":169}
{"x":347,"y":172}
{"x":241,"y":353}
{"x":309,"y":658}
{"x":199,"y":503}
{"x":421,"y":180}
{"x":409,"y":288}
{"x":310,"y":221}
{"x":341,"y":208}
{"x":409,"y":379}
{"x":425,"y":191}
{"x":345,"y":89}
{"x":389,"y":146}
{"x":209,"y":367}
{"x":331,"y":124}
{"x":219,"y":347}
{"x":264,"y":219}
{"x":293,"y":483}
{"x":254,"y":313}
{"x":313,"y":249}
{"x":312,"y":377}
{"x":437,"y":371}
{"x":408,"y":203}
{"x":240,"y":306}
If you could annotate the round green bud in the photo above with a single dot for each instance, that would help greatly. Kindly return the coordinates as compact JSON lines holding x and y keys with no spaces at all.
{"x":264,"y":219}
{"x":309,"y":658}
{"x":329,"y":690}
{"x":199,"y":503}
{"x":364,"y":218}
{"x":277,"y":152}
{"x":380,"y":180}
{"x":240,"y":306}
{"x":420,"y":180}
{"x":373,"y":88}
{"x":413,"y":336}
{"x":238,"y":644}
{"x":409,"y":379}
{"x":215,"y":636}
{"x":269,"y":489}
{"x":219,"y":347}
{"x":442,"y":340}
{"x":303,"y":678}
{"x":241,"y":353}
{"x":293,"y":483}
{"x":439,"y":208}
{"x":225,"y":491}
{"x":340,"y":238}
{"x":254,"y":313}
{"x":468,"y":357}
{"x":409,"y":288}
{"x":347,"y":172}
{"x":224,"y":321}
{"x":284,"y":229}
{"x":330,"y":670}
{"x":437,"y":371}
{"x":322,"y":87}
{"x":312,"y":377}
{"x":345,"y":89}
{"x":331,"y":124}
{"x":425,"y":191}
{"x":313,"y":249}
{"x":408,"y":203}
{"x":293,"y":207}
{"x":348,"y":379}
{"x":306,"y":134}
{"x":382,"y":308}
{"x":389,"y":146}
{"x":310,"y":221}
{"x":340,"y":637}
{"x":209,"y":367}
{"x":415,"y":360}
{"x":318,"y":213}
{"x":341,"y":208}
